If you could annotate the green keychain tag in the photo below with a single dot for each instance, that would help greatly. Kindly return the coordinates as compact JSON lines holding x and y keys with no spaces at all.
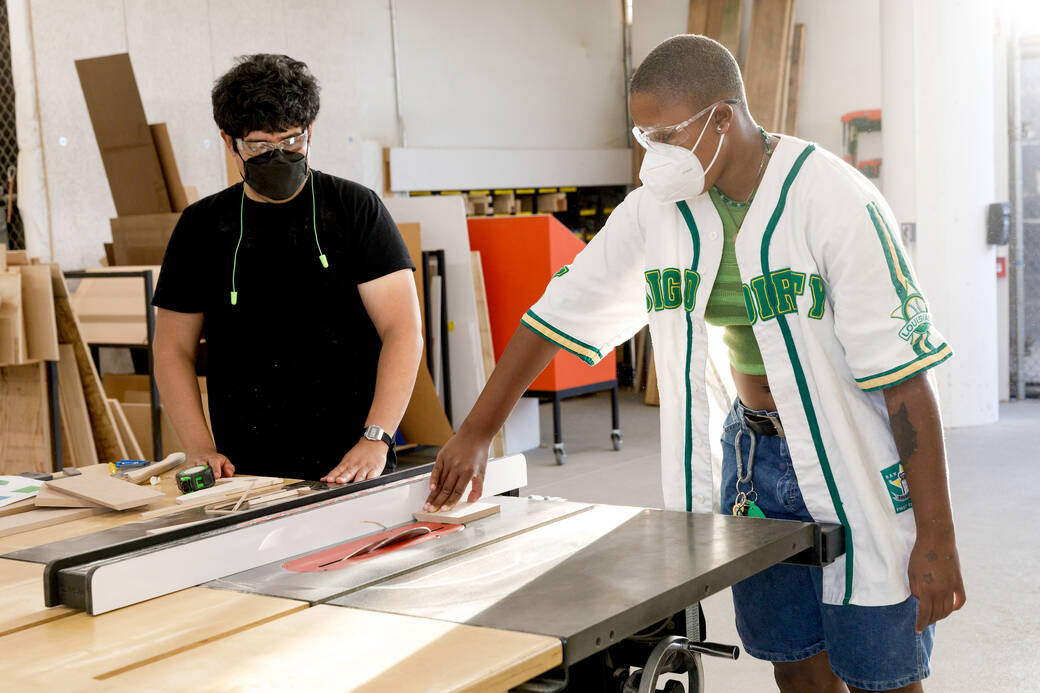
{"x":754,"y":511}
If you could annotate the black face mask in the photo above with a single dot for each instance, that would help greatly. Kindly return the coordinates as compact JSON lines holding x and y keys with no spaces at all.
{"x":276,"y":174}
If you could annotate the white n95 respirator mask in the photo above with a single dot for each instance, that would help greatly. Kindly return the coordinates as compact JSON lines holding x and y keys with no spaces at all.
{"x":672,"y":173}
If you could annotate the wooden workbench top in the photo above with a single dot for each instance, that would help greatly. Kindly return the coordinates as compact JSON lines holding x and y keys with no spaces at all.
{"x":336,"y":648}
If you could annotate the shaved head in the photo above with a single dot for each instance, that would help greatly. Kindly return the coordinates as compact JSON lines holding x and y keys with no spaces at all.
{"x":692,"y":69}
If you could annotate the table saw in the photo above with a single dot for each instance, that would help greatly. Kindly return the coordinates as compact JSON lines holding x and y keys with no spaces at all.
{"x":341,"y":589}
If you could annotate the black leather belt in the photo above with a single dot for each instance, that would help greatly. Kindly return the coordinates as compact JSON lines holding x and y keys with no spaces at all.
{"x":764,"y":425}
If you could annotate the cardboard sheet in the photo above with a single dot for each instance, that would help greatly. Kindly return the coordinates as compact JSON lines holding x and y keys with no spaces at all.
{"x":127,"y":149}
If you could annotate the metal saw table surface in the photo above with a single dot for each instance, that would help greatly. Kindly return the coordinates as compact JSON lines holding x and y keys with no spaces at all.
{"x":593,"y":578}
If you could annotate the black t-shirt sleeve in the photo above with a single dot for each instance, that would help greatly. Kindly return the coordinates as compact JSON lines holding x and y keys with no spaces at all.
{"x":380,"y":250}
{"x":178,"y":288}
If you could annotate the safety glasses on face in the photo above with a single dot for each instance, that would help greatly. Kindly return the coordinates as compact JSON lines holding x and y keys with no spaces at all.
{"x":292,"y":143}
{"x":669,"y":135}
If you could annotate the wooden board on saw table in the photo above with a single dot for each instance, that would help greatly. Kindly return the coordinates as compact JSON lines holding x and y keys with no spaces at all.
{"x":107,"y":491}
{"x":306,"y":650}
{"x":95,"y":646}
{"x":48,"y":497}
{"x":21,"y":597}
{"x":460,"y":514}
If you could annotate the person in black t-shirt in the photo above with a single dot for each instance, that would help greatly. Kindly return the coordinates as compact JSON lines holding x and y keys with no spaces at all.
{"x":302,"y":287}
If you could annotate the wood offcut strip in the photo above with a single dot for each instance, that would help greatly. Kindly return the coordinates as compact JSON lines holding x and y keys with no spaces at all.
{"x":794,"y":82}
{"x":487,"y":346}
{"x":766,"y":65}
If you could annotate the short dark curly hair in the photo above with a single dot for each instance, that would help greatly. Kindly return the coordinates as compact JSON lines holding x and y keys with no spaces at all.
{"x":690,"y":68}
{"x":266,"y":93}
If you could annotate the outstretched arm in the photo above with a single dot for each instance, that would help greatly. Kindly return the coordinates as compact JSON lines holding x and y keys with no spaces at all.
{"x":464,"y":457}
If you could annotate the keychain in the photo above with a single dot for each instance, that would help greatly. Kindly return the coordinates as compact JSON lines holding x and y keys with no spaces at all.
{"x":744,"y":504}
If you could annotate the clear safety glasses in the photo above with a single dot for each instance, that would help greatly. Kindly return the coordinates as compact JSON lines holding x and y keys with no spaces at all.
{"x":659,"y":139}
{"x":293,"y":143}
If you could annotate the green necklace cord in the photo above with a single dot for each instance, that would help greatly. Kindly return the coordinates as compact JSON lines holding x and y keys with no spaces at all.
{"x":242,"y":230}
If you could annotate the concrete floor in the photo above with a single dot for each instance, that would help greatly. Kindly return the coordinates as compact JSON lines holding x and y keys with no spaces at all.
{"x":992,"y":644}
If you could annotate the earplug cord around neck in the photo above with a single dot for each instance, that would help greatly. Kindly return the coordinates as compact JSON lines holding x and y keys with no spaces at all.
{"x":242,"y":230}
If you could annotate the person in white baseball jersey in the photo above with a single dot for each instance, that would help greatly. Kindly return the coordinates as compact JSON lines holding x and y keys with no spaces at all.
{"x":796,"y":256}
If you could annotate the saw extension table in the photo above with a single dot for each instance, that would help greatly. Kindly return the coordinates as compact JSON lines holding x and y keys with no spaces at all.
{"x":341,"y":590}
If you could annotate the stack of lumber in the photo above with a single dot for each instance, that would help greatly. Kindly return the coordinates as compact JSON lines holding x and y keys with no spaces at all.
{"x":37,"y":325}
{"x":139,"y":162}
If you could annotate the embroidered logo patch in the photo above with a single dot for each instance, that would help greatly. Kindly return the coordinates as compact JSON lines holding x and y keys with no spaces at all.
{"x":917,"y":320}
{"x":895,"y":482}
{"x":562,"y":271}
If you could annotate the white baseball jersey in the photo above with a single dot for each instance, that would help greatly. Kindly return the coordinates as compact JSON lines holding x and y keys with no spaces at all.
{"x":838,"y":316}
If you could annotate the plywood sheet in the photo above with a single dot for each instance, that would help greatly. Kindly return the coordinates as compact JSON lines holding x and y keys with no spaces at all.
{"x":107,"y":491}
{"x":74,"y":409}
{"x":766,"y":64}
{"x":306,"y":650}
{"x":41,"y":331}
{"x":25,"y":442}
{"x":96,"y":646}
{"x":21,"y":597}
{"x":48,"y":497}
{"x":127,"y":149}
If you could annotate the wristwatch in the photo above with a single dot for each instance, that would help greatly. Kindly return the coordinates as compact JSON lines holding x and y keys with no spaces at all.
{"x":374,"y":433}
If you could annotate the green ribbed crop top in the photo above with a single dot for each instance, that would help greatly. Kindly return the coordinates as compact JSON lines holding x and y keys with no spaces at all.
{"x":726,"y":307}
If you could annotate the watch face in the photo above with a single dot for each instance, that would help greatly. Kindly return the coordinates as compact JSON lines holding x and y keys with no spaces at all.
{"x":374,"y":433}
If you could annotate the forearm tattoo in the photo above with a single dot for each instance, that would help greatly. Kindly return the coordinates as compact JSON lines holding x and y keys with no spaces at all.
{"x":904,"y":433}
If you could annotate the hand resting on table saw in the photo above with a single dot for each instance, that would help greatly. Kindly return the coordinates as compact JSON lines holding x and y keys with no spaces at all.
{"x":365,"y":460}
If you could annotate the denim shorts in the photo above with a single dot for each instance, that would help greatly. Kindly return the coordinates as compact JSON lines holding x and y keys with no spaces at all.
{"x":780,"y":613}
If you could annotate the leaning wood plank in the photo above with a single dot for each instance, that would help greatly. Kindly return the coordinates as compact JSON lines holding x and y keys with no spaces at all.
{"x":119,"y":432}
{"x":794,"y":82}
{"x":12,"y":321}
{"x":724,"y":23}
{"x":133,"y":449}
{"x":41,"y":331}
{"x":487,"y":346}
{"x":107,"y":491}
{"x":766,"y":63}
{"x":24,"y":420}
{"x":48,"y":497}
{"x":21,"y":599}
{"x":43,"y":517}
{"x":74,"y":405}
{"x":104,"y":428}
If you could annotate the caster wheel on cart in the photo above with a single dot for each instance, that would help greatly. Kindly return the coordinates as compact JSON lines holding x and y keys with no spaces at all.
{"x":616,"y":439}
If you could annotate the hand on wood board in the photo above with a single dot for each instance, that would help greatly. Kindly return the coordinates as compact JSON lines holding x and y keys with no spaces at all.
{"x":365,"y":460}
{"x":463,"y":458}
{"x":220,"y":465}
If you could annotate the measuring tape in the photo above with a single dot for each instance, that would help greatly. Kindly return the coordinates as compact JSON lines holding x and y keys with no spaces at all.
{"x":195,"y":478}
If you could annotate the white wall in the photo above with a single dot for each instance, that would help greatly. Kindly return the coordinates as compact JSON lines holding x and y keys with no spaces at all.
{"x":535,"y":74}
